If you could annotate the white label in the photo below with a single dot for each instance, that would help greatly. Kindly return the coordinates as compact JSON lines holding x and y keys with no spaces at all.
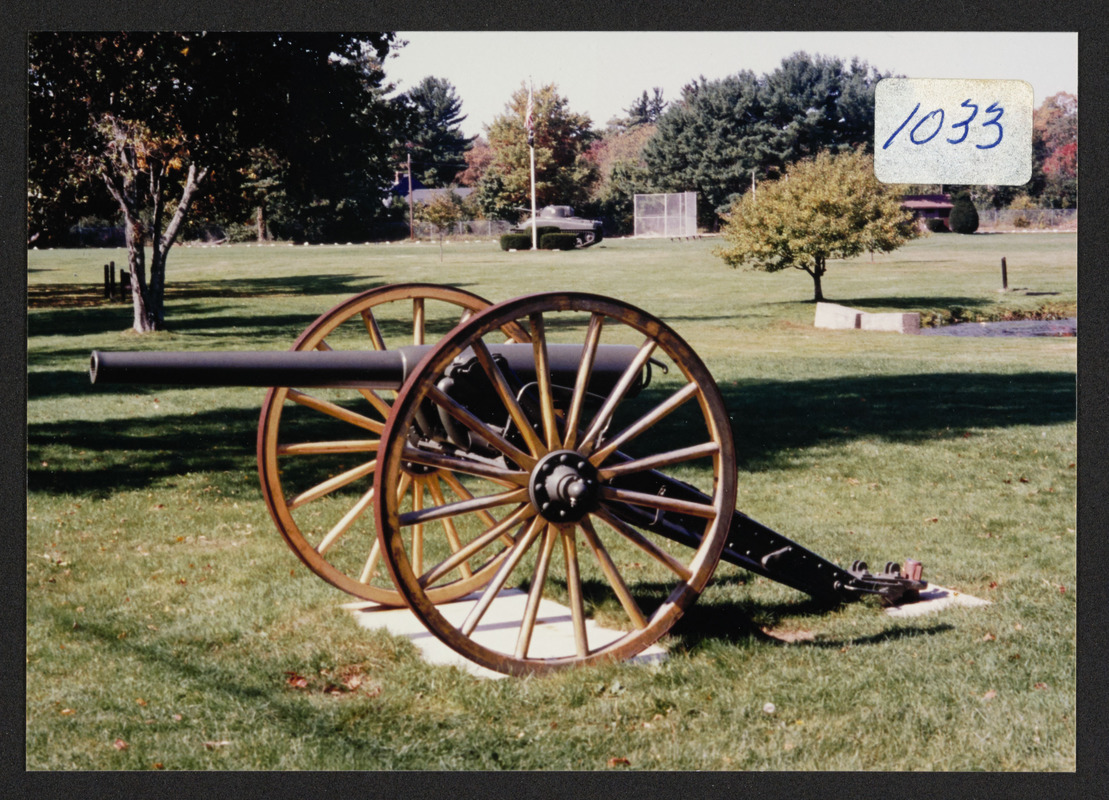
{"x":932,"y":130}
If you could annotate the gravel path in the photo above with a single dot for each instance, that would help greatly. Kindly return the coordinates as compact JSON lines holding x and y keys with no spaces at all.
{"x":1028,"y":327}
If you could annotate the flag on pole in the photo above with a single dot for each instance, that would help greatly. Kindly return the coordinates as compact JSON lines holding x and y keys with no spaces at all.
{"x":529,"y":114}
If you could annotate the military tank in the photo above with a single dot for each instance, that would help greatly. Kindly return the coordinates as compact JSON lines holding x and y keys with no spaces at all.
{"x":588,"y":231}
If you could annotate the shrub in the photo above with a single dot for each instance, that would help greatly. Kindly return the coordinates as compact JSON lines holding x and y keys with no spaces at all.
{"x":1021,"y":221}
{"x":516,"y":241}
{"x":936,"y":225}
{"x":964,"y":216}
{"x":558,"y":241}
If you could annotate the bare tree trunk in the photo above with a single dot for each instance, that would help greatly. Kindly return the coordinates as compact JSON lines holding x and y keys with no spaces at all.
{"x":260,"y":221}
{"x":162,"y":245}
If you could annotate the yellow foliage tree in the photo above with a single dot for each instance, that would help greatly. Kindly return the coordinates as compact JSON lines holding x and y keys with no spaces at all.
{"x":827,"y":207}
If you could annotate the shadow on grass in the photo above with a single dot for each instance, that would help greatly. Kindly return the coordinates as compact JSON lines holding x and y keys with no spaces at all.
{"x":769,"y":418}
{"x":68,"y":310}
{"x":736,"y":621}
{"x":100,"y":459}
{"x":915,"y":303}
{"x":772,"y":417}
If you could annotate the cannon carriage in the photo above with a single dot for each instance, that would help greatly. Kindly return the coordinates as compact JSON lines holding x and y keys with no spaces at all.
{"x":419,"y":445}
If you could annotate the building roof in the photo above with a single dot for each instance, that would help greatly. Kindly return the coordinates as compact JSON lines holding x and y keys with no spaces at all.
{"x":922,"y":202}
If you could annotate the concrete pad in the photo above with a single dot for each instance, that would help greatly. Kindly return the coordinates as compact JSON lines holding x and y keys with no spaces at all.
{"x":553,"y":633}
{"x":896,"y":322}
{"x":935,"y":598}
{"x":830,"y":315}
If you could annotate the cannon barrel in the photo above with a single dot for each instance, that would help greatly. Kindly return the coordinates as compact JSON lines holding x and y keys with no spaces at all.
{"x":353,"y":369}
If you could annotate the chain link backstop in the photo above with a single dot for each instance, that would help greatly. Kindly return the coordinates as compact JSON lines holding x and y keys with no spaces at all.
{"x":666,"y":214}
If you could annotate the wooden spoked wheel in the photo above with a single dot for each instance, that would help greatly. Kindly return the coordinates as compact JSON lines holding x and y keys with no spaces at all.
{"x":317,"y":448}
{"x":574,"y":478}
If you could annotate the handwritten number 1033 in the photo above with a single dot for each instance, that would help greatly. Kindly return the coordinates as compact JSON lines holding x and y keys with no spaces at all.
{"x":928,"y":127}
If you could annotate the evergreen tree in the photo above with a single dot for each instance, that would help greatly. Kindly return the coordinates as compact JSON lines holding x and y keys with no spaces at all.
{"x":721,"y":133}
{"x":964,"y":216}
{"x":438,"y":144}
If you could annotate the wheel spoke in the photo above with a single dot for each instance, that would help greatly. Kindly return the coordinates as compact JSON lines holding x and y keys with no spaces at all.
{"x":317,"y":448}
{"x":652,"y":417}
{"x":573,"y":585}
{"x":522,"y":514}
{"x":373,"y":330}
{"x":465,"y":494}
{"x":645,"y":544}
{"x":418,"y":528}
{"x":480,"y":428}
{"x":348,"y":519}
{"x":609,"y":568}
{"x":535,"y":593}
{"x":417,"y":320}
{"x":373,"y":397}
{"x":371,"y":562}
{"x":503,"y":572}
{"x":505,"y":477}
{"x":585,"y":370}
{"x":453,"y":539}
{"x":601,"y":420}
{"x":659,"y":501}
{"x":543,"y":379}
{"x":666,"y":459}
{"x":500,"y":384}
{"x":333,"y":410}
{"x":415,"y":517}
{"x":332,"y":483}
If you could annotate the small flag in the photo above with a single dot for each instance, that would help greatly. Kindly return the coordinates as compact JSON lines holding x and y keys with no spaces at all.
{"x":529,"y":122}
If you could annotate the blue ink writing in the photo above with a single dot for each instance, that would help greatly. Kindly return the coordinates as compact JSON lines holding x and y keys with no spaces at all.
{"x":917,"y":136}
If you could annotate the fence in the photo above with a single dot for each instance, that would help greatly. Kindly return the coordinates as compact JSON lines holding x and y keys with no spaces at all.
{"x":666,"y":214}
{"x":1012,"y":219}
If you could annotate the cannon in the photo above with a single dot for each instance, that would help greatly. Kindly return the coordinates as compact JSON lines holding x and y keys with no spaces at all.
{"x":563,"y":443}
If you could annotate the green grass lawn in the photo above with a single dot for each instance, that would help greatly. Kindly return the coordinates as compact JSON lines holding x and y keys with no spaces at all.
{"x":168,"y":625}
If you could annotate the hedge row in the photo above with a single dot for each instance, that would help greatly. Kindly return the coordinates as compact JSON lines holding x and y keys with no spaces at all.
{"x":549,"y":239}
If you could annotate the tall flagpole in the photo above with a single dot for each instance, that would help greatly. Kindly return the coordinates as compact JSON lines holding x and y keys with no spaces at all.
{"x":529,"y":125}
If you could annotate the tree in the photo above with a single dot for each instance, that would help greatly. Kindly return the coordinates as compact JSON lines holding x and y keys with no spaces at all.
{"x":709,"y":142}
{"x":720,"y":134}
{"x":438,"y":144}
{"x":1055,"y":150}
{"x":621,"y":174}
{"x":964,"y":216}
{"x":830,"y":206}
{"x":644,"y":110}
{"x":478,"y":158}
{"x":156,"y":120}
{"x":444,"y":210}
{"x":562,"y":175}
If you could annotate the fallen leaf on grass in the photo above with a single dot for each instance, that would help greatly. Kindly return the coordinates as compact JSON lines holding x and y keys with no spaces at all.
{"x":68,"y":712}
{"x":990,"y":695}
{"x":1039,"y":685}
{"x":214,"y":745}
{"x":989,"y":637}
{"x":618,"y":761}
{"x":296,"y":681}
{"x":119,"y":744}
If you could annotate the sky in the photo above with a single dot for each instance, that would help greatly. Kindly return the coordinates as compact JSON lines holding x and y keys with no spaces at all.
{"x":601,"y":73}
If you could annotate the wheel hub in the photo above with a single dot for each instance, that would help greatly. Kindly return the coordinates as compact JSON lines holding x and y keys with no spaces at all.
{"x":564,"y":486}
